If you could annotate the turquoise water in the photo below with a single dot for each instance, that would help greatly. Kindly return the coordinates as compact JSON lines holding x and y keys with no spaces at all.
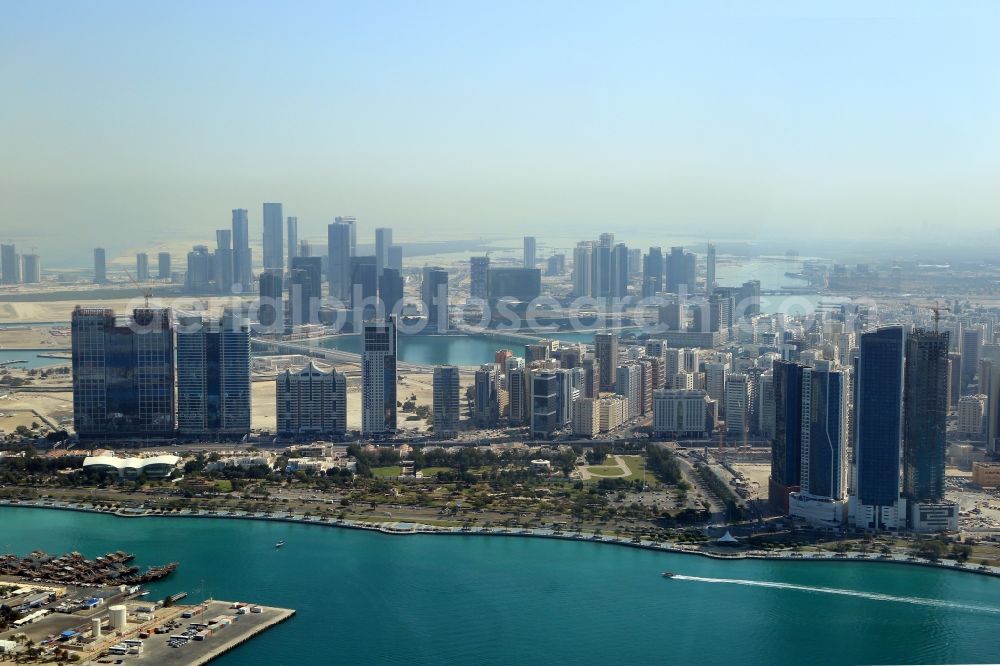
{"x":369,"y":598}
{"x":32,"y":359}
{"x":448,"y":349}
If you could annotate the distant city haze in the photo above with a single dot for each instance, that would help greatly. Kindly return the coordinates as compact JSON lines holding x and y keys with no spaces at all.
{"x":131,"y":124}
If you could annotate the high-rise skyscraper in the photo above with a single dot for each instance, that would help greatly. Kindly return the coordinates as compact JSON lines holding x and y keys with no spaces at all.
{"x":10,"y":266}
{"x":242,"y":259}
{"x":142,"y":267}
{"x":486,"y":392}
{"x":606,"y":352}
{"x":31,"y":268}
{"x":293,"y":238}
{"x":530,"y":260}
{"x":583,"y":260}
{"x":652,"y":272}
{"x":123,"y":374}
{"x":786,"y":449}
{"x":925,"y":413}
{"x":434,"y":294}
{"x":822,"y":494}
{"x":305,"y":290}
{"x":600,"y":274}
{"x":383,"y":241}
{"x":618,"y":287}
{"x":339,"y":261}
{"x":200,"y":270}
{"x":710,"y":282}
{"x":100,"y":266}
{"x":363,"y":287}
{"x":271,"y":307}
{"x":396,"y":258}
{"x":224,"y":280}
{"x":163,"y":265}
{"x":680,"y":269}
{"x":479,"y":268}
{"x":544,"y":404}
{"x":378,"y":378}
{"x":213,"y":375}
{"x":446,"y":410}
{"x":311,"y":402}
{"x":972,"y":345}
{"x":390,"y":291}
{"x":879,"y":429}
{"x":274,"y":242}
{"x":352,"y":225}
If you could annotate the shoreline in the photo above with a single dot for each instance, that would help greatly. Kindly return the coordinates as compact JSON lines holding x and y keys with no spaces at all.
{"x":526,"y":532}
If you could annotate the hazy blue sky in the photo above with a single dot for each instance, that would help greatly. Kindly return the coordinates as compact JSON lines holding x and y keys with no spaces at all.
{"x":151,"y":120}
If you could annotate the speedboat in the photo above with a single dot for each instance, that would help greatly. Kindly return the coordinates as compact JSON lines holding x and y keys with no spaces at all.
{"x":669,"y":574}
{"x":279,"y":544}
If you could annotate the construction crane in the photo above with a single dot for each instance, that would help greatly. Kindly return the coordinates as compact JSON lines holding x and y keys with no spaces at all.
{"x":937,"y":309}
{"x":147,"y":293}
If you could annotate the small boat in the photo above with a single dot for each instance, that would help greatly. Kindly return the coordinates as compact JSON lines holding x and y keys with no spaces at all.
{"x":279,"y":544}
{"x":669,"y":574}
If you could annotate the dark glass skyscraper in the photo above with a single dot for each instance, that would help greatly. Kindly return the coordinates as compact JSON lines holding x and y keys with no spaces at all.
{"x":363,"y":286}
{"x":213,"y":375}
{"x":339,"y":261}
{"x":271,"y":308}
{"x":925,"y":404}
{"x":378,"y":377}
{"x":606,"y":354}
{"x":652,"y":272}
{"x":544,"y":404}
{"x":390,"y":291}
{"x":823,"y":438}
{"x":123,"y":374}
{"x":305,"y":290}
{"x":434,"y":294}
{"x":786,"y":450}
{"x":878,"y":424}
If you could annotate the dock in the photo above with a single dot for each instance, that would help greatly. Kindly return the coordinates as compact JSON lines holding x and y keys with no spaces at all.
{"x":217,"y":639}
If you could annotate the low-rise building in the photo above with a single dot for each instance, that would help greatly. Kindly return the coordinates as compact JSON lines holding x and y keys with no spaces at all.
{"x":152,"y":467}
{"x":986,"y":474}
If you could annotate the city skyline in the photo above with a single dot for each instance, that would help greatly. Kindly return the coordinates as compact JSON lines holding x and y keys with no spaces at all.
{"x":807,"y":135}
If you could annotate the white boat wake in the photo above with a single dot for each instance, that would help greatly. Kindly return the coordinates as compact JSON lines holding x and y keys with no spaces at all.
{"x":918,"y":601}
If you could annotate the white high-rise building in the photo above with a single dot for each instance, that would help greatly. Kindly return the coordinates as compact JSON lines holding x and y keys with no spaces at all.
{"x":970,"y":415}
{"x":822,"y":495}
{"x":628,"y":384}
{"x":586,"y":417}
{"x":737,"y":404}
{"x":378,"y":377}
{"x":715,"y":381}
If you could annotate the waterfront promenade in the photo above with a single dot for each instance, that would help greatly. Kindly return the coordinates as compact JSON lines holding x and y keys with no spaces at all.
{"x":413,"y":528}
